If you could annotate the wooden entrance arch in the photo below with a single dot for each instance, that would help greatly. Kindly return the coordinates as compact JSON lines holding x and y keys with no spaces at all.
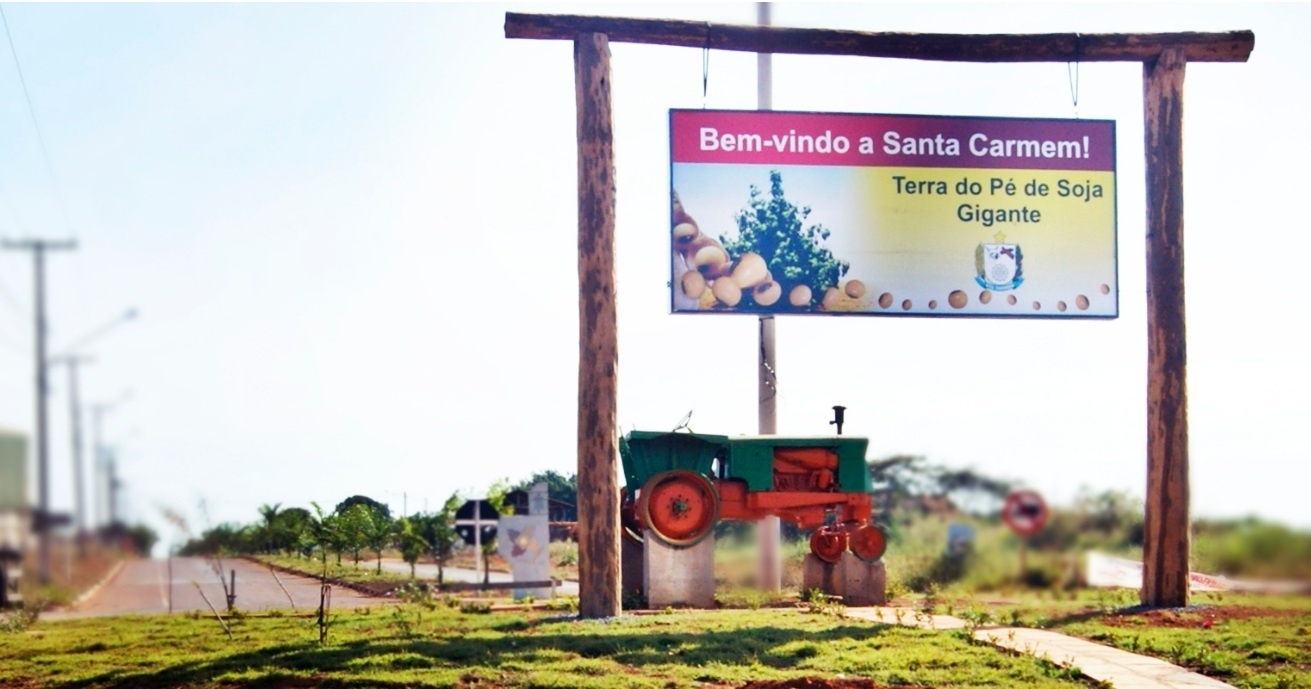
{"x":1163,"y":56}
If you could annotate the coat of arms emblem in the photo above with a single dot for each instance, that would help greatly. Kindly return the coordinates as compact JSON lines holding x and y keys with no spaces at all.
{"x":999,"y":266}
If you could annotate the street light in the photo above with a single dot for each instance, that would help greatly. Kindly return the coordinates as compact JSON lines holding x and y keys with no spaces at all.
{"x":115,"y":485}
{"x":96,"y":334}
{"x":72,"y":360}
{"x":105,"y":497}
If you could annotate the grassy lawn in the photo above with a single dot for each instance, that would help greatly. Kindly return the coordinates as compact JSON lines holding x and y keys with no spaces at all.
{"x":564,"y":565}
{"x":419,"y":646}
{"x":1247,"y":640}
{"x":365,"y":574}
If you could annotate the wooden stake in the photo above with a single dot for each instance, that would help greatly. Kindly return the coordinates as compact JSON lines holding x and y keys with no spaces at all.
{"x":213,"y":609}
{"x":1166,"y":527}
{"x":277,"y":579}
{"x":598,"y":347}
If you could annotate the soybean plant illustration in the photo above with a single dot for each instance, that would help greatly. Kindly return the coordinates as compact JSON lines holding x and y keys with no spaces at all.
{"x":794,"y":253}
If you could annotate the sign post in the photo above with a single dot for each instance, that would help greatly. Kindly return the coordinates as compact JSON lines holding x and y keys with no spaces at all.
{"x":474,"y":520}
{"x":1025,"y":512}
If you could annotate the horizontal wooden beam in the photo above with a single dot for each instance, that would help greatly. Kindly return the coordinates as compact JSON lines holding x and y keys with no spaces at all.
{"x":1230,"y":46}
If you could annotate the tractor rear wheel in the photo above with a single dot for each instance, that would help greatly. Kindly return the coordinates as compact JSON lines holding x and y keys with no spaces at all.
{"x":680,"y":507}
{"x":868,"y":543}
{"x":828,"y":544}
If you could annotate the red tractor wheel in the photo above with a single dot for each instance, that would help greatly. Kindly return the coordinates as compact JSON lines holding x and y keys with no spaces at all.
{"x":680,"y":507}
{"x":828,"y":545}
{"x":629,"y":525}
{"x":868,"y":543}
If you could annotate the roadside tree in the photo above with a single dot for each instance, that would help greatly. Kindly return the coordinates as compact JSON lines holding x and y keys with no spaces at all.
{"x":411,"y":543}
{"x":354,"y":525}
{"x":438,"y":529}
{"x":363,"y":500}
{"x":379,"y":534}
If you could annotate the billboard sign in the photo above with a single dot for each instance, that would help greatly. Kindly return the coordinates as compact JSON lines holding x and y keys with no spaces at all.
{"x":822,"y":213}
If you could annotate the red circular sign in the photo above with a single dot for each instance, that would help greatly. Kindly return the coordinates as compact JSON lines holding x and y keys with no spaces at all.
{"x":1025,"y":512}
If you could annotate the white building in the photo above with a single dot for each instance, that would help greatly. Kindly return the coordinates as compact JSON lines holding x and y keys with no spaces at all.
{"x":15,"y":511}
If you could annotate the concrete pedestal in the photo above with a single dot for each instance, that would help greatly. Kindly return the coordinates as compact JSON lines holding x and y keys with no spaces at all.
{"x":859,"y":583}
{"x":631,"y":569}
{"x":678,"y":576}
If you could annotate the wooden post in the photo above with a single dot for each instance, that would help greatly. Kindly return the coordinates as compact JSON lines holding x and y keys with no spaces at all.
{"x":598,"y":347}
{"x":1166,"y":528}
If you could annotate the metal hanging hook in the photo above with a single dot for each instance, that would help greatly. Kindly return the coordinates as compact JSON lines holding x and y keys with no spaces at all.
{"x":705,"y":68}
{"x":1072,"y":72}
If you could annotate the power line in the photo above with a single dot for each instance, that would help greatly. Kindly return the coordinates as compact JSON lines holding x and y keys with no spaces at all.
{"x":13,"y":302}
{"x":45,"y":154}
{"x":18,"y":224}
{"x":11,"y":343}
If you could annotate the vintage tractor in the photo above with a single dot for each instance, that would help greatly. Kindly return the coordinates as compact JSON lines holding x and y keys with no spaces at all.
{"x":679,"y":485}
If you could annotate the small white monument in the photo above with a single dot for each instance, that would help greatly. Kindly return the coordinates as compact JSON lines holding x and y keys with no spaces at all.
{"x":525,"y":543}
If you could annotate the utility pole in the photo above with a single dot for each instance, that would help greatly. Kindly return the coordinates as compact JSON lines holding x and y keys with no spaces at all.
{"x":71,"y":358}
{"x":100,"y":488}
{"x":769,"y":530}
{"x":39,"y":247}
{"x":767,"y":382}
{"x":111,"y":460}
{"x":75,"y":413}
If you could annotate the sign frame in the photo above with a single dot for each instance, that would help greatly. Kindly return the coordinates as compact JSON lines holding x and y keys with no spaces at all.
{"x":972,"y":298}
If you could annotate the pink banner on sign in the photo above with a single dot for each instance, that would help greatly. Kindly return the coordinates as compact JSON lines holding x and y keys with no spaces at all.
{"x":790,"y":138}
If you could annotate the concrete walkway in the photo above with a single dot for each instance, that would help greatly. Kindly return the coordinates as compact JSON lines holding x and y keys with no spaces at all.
{"x":1123,"y":669}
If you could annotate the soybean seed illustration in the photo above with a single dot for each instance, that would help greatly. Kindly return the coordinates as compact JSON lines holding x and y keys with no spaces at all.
{"x":770,"y":256}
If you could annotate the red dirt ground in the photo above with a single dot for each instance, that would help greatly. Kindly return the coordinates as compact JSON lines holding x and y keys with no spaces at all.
{"x":1194,"y":618}
{"x":815,"y":683}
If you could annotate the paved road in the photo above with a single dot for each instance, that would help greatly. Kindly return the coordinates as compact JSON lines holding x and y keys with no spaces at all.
{"x":144,"y":587}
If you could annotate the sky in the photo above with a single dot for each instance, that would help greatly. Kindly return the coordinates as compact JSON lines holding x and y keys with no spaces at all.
{"x":350,"y":233}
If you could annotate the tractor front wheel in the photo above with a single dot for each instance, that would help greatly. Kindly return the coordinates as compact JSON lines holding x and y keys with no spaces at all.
{"x":868,"y":543}
{"x":828,"y":544}
{"x":680,"y":507}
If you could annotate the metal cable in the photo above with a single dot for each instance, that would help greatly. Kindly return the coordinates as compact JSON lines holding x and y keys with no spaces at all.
{"x":45,"y":154}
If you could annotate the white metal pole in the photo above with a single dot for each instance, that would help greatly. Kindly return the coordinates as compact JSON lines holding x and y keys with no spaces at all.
{"x":477,"y":539}
{"x":769,"y":530}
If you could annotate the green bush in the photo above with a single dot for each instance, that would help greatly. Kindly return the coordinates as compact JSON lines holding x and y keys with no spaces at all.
{"x":1252,"y":548}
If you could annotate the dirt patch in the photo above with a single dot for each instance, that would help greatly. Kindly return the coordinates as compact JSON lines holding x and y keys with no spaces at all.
{"x":816,"y":683}
{"x":317,"y":681}
{"x":1199,"y":616}
{"x":379,"y":589}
